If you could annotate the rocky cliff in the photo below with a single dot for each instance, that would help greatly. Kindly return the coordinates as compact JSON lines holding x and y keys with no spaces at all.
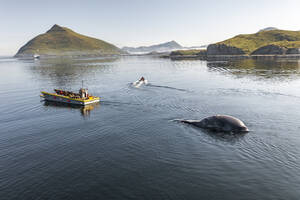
{"x":270,"y":50}
{"x":223,"y":49}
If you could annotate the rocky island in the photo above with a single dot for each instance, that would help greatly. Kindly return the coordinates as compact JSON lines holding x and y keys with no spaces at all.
{"x":267,"y":42}
{"x":62,"y":41}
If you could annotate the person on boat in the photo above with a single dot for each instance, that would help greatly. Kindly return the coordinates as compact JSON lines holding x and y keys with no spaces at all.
{"x":142,"y":79}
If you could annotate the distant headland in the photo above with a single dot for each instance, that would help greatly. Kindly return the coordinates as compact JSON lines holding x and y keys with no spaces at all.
{"x":62,"y":41}
{"x":163,"y":47}
{"x":269,"y":42}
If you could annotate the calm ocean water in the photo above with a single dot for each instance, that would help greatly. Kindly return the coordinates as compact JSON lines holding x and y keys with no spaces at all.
{"x":128,"y":147}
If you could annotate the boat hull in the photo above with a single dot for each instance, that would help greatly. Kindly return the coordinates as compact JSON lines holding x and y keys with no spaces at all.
{"x":65,"y":99}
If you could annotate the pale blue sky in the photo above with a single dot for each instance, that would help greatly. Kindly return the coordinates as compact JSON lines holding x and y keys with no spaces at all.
{"x":144,"y":22}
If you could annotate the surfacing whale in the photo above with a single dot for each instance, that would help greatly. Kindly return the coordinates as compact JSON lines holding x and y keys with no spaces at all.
{"x":219,"y":123}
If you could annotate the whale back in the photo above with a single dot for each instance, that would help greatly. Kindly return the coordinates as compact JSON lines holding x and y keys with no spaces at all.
{"x":224,"y":123}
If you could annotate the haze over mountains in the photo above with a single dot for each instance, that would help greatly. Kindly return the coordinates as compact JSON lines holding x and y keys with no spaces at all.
{"x":160,"y":48}
{"x":167,"y":46}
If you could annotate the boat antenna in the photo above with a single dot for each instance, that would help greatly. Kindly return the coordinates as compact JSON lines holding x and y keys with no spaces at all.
{"x":82,"y":84}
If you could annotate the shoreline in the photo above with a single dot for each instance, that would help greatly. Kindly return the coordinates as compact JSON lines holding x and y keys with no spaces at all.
{"x":231,"y":57}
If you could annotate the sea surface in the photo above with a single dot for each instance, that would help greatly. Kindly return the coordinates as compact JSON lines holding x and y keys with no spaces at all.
{"x":130,"y":147}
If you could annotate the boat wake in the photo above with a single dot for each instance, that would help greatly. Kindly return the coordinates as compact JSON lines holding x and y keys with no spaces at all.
{"x":139,"y":83}
{"x":167,"y":87}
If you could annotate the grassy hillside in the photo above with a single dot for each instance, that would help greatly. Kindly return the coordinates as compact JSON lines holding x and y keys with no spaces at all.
{"x":250,"y":42}
{"x":61,"y":40}
{"x":288,"y":44}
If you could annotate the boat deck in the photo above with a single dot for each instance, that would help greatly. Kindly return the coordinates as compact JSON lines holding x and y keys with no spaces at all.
{"x":66,"y":99}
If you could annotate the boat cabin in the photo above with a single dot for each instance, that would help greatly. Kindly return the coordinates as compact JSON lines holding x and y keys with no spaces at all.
{"x":83,"y":93}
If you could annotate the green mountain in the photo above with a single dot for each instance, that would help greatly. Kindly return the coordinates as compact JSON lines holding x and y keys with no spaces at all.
{"x":63,"y":41}
{"x":250,"y":43}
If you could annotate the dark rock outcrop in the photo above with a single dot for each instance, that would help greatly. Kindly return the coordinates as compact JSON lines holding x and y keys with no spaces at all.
{"x":222,"y":49}
{"x":202,"y":53}
{"x":270,"y":50}
{"x":176,"y":53}
{"x":293,"y":51}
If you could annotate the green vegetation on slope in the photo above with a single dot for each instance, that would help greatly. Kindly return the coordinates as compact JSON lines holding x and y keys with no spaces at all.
{"x":186,"y":52}
{"x":189,"y":52}
{"x":60,"y":40}
{"x":250,"y":42}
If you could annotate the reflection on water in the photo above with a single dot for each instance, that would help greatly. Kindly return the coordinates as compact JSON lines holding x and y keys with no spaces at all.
{"x":217,"y":136}
{"x":260,"y":69}
{"x":65,"y":72}
{"x":84,"y":110}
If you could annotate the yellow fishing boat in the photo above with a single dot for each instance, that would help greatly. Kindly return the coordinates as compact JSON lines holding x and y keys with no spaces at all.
{"x":63,"y":96}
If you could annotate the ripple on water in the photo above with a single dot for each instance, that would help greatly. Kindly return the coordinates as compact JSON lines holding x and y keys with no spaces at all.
{"x":129,"y":147}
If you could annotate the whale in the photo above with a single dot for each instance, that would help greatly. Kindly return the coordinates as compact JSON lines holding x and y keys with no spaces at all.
{"x":220,"y":123}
